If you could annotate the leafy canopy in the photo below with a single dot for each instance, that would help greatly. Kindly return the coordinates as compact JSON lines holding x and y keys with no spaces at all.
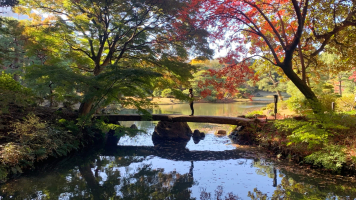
{"x":93,"y":45}
{"x":279,"y":31}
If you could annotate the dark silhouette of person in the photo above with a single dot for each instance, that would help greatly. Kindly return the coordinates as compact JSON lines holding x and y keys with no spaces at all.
{"x":191,"y":100}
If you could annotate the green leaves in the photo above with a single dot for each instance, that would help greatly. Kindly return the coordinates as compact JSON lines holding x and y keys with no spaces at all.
{"x":119,"y":130}
{"x":12,"y":92}
{"x":315,"y":132}
{"x":111,"y":50}
{"x":311,"y":133}
{"x":331,"y":157}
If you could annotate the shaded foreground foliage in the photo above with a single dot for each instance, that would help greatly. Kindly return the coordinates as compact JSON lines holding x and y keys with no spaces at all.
{"x":29,"y":133}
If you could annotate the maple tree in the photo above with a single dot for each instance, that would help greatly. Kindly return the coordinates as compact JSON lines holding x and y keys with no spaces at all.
{"x":280,"y":31}
{"x":93,"y":40}
{"x":226,"y":80}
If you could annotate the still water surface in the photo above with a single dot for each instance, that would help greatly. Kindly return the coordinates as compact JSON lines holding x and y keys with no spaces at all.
{"x":214,"y":168}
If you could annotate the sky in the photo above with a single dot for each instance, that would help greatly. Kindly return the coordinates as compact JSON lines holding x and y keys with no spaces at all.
{"x":6,"y":12}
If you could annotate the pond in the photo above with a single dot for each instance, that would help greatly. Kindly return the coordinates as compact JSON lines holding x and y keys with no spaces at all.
{"x":214,"y":168}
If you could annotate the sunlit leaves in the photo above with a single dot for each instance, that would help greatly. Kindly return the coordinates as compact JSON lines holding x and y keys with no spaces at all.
{"x":87,"y":37}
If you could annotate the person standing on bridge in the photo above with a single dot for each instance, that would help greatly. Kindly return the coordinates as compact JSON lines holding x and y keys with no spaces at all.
{"x":191,"y":100}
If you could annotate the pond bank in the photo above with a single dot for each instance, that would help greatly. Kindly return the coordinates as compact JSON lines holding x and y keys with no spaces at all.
{"x":33,"y":134}
{"x":325,"y":144}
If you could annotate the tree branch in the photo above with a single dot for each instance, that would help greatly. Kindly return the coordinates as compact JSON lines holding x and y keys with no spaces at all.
{"x":269,"y":22}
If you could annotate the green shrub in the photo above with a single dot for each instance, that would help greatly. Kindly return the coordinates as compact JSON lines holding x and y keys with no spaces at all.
{"x":255,"y":112}
{"x":33,"y":140}
{"x":166,"y":93}
{"x":315,"y":131}
{"x":331,"y":157}
{"x":280,"y":105}
{"x":326,"y":100}
{"x":12,"y":92}
{"x":297,"y":104}
{"x":156,"y":92}
{"x":283,"y":105}
{"x":270,"y":106}
{"x":119,"y":130}
{"x":345,"y":103}
{"x":8,"y":83}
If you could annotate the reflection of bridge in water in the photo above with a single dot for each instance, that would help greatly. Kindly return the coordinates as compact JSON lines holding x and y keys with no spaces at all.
{"x":178,"y":154}
{"x":181,"y":118}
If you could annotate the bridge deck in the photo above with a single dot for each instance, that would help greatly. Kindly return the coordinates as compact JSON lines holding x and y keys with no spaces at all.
{"x":181,"y":118}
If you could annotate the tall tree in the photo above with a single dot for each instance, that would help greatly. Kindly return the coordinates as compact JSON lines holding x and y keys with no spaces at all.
{"x":95,"y":35}
{"x":278,"y":28}
{"x":12,"y":47}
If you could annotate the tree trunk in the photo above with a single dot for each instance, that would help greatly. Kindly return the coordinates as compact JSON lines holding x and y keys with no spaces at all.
{"x":85,"y":107}
{"x":303,"y":64}
{"x":299,"y":83}
{"x":340,"y":88}
{"x":280,"y":95}
{"x":87,"y":104}
{"x":51,"y":97}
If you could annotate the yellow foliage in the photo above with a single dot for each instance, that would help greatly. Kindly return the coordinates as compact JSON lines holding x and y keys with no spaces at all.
{"x":196,"y":61}
{"x":345,"y":103}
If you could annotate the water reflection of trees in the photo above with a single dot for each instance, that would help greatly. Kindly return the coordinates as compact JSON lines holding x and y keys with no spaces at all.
{"x":204,"y":195}
{"x":128,"y":176}
{"x":266,"y":168}
{"x":148,"y":183}
{"x":290,"y":189}
{"x":104,"y":178}
{"x":294,"y":186}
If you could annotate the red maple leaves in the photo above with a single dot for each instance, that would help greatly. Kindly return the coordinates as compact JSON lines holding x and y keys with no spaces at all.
{"x":227,"y":79}
{"x":268,"y":29}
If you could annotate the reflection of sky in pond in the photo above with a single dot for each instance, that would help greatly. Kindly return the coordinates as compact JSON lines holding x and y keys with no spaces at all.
{"x":237,"y":176}
{"x":234,"y":175}
{"x":209,"y":143}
